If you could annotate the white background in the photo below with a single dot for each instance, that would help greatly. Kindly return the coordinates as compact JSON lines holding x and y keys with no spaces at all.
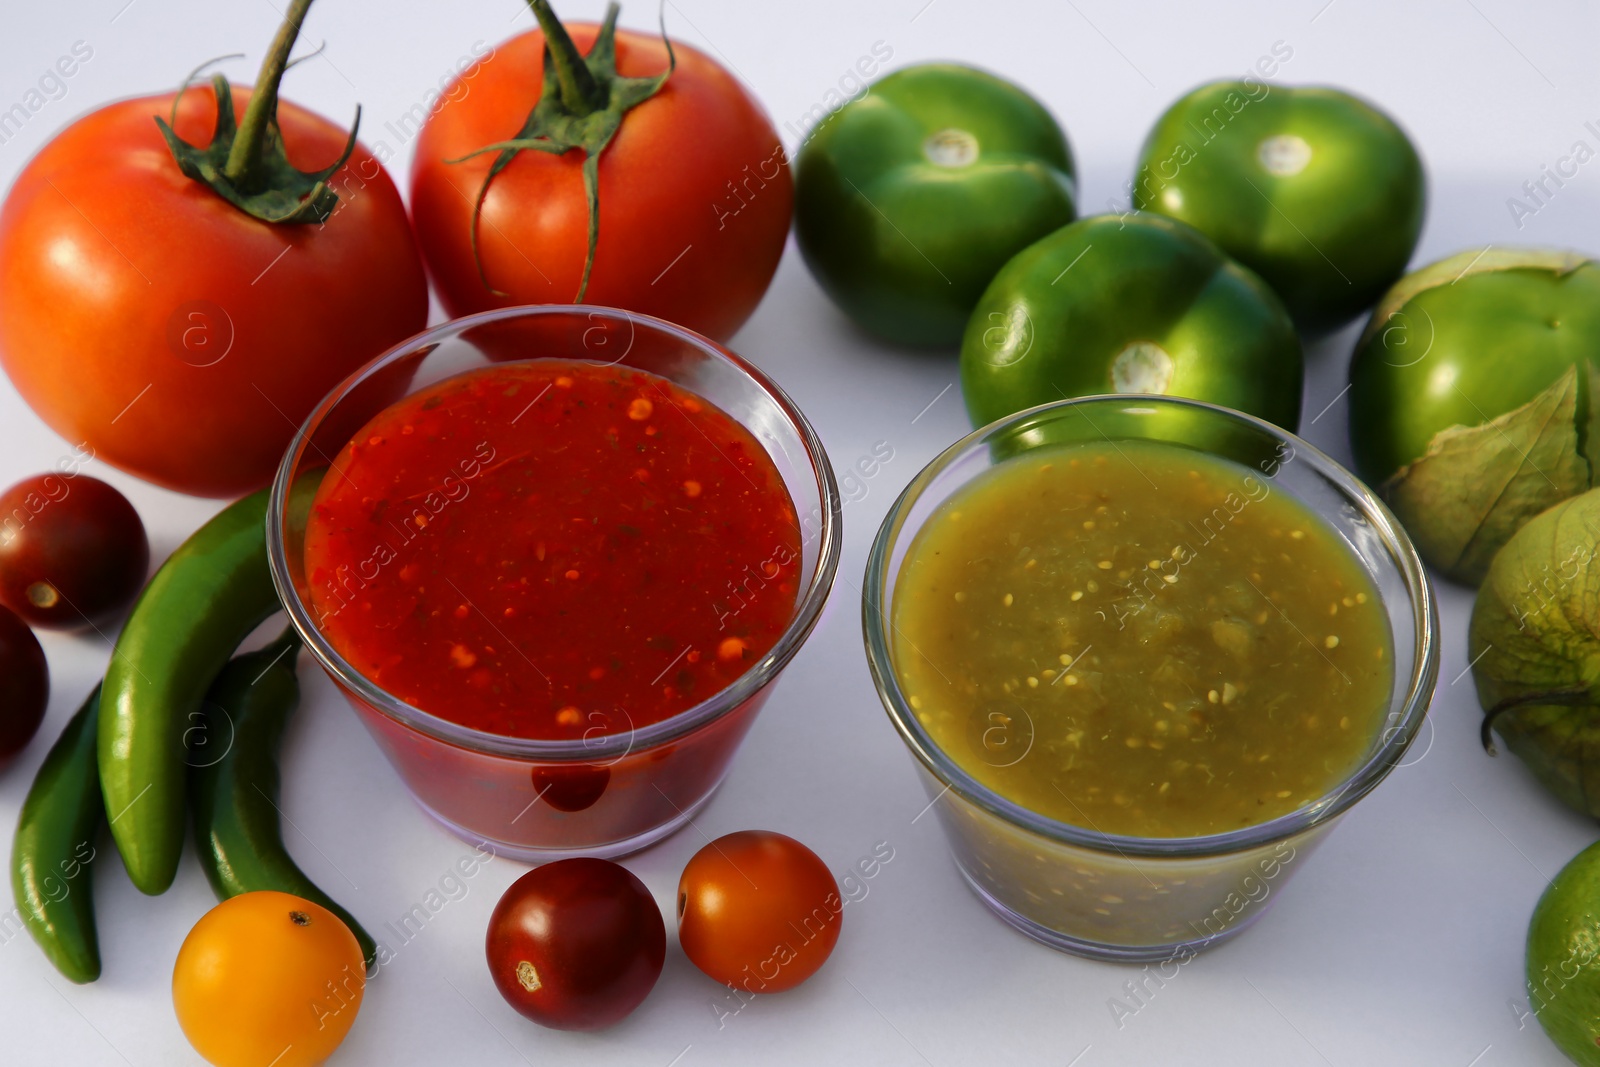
{"x":1401,"y":940}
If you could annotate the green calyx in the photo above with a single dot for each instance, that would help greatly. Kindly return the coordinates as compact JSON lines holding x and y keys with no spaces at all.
{"x":245,"y":163}
{"x":1534,"y":646}
{"x":581,"y":106}
{"x":1473,"y":398}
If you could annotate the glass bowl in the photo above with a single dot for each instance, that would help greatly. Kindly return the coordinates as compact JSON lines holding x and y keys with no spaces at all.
{"x":617,"y":789}
{"x":1126,"y":898}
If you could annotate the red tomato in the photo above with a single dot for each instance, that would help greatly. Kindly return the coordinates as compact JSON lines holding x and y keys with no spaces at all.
{"x":24,"y":684}
{"x":72,"y":550}
{"x":758,"y":910}
{"x":182,"y":339}
{"x":576,"y":944}
{"x":695,"y":193}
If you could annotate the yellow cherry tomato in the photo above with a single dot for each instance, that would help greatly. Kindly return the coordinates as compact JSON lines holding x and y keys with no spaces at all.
{"x":268,"y":978}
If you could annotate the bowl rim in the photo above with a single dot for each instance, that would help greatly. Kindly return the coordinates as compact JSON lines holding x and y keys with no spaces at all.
{"x":608,"y":747}
{"x":1362,"y":779}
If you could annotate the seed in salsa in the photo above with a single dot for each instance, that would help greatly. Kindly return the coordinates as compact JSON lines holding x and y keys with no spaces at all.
{"x":553,"y":549}
{"x":1141,"y":639}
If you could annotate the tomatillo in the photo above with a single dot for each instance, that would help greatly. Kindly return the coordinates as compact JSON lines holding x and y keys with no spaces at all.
{"x":1130,"y":304}
{"x":908,"y":199}
{"x":1471,"y":398}
{"x":1319,"y":192}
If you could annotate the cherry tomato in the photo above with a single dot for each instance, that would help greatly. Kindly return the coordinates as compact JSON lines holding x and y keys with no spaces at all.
{"x":758,"y":910}
{"x":180,"y":338}
{"x":24,"y":684}
{"x":72,"y":550}
{"x":571,"y":787}
{"x":694,"y":192}
{"x":268,"y":978}
{"x":576,"y":944}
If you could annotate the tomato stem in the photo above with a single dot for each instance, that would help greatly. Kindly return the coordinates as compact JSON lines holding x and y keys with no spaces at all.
{"x":580,"y":92}
{"x":245,"y":163}
{"x":244,"y":168}
{"x":1571,"y":697}
{"x":582,"y":102}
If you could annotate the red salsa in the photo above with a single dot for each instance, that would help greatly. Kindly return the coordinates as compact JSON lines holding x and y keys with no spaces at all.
{"x":552,"y":549}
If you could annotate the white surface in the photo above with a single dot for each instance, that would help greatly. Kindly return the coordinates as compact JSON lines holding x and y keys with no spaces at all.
{"x":1400,"y":943}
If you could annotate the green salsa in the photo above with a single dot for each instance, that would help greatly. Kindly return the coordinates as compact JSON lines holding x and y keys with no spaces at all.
{"x":1141,"y":639}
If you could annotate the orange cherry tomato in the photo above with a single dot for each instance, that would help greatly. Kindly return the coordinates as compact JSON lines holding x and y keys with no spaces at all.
{"x":268,"y":978}
{"x":758,"y":910}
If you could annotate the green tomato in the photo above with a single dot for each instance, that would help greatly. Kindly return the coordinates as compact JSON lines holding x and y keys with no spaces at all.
{"x":1534,"y":647}
{"x":1130,"y":304}
{"x":1315,"y":190}
{"x":1563,"y":959}
{"x":1458,"y":347}
{"x":1470,"y":398}
{"x":908,"y":199}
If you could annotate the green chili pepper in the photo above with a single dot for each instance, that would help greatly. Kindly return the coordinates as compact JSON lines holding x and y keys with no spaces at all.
{"x":55,"y":845}
{"x":237,"y":828}
{"x":203,"y":601}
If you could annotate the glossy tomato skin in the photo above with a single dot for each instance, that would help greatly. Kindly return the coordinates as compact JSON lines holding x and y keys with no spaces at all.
{"x":73,"y":551}
{"x":1451,"y":346}
{"x":695,"y":193}
{"x":1291,"y":182}
{"x":576,"y":944}
{"x":181,"y":339}
{"x":268,"y":978}
{"x":913,"y":195}
{"x":758,"y":911}
{"x":1210,"y":328}
{"x":24,"y":684}
{"x":1491,"y":334}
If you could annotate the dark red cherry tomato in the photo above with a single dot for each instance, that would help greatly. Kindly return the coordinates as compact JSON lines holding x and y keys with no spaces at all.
{"x":571,"y":787}
{"x":72,"y":550}
{"x":24,"y":684}
{"x":576,"y":944}
{"x":758,"y":910}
